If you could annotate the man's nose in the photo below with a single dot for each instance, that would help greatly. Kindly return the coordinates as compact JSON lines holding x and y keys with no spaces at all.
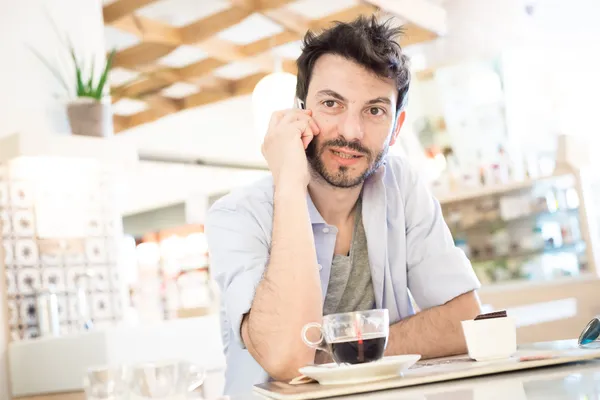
{"x":351,"y":126}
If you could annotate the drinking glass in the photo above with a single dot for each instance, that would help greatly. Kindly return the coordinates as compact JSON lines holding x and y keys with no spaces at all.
{"x":105,"y":383}
{"x":172,"y":380}
{"x":352,"y":338}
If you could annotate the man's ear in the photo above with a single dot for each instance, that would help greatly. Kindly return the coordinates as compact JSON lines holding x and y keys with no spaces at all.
{"x":399,"y":122}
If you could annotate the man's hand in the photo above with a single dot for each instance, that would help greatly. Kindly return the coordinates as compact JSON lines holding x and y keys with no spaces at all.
{"x":289,"y":133}
{"x":435,"y":332}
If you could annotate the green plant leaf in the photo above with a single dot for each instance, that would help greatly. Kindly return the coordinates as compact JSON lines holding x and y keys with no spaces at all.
{"x":90,"y":84}
{"x":104,"y":77}
{"x":80,"y":85}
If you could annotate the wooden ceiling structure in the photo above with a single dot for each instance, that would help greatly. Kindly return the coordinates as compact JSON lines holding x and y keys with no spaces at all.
{"x":157,"y":39}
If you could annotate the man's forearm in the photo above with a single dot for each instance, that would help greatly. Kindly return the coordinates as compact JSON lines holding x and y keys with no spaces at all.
{"x":289,"y":295}
{"x":435,"y":332}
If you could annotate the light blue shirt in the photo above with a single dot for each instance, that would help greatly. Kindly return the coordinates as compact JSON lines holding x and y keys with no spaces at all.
{"x":410,"y":248}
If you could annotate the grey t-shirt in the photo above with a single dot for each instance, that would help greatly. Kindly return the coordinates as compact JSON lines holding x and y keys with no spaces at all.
{"x":350,"y":286}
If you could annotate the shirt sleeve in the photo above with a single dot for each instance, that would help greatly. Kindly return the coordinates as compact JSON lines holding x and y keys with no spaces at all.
{"x":438,"y":271}
{"x":238,"y":256}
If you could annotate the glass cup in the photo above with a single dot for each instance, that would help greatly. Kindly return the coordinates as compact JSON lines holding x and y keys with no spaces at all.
{"x":105,"y":383}
{"x":352,"y":338}
{"x":173,"y":380}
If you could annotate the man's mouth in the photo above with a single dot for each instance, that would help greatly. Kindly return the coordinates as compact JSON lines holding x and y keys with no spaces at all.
{"x":346,"y":154}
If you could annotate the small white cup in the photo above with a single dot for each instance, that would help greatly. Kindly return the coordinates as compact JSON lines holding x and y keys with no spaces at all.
{"x":490,"y":339}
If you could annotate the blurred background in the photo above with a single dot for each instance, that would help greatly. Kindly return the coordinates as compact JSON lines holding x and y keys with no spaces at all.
{"x":123,"y":121}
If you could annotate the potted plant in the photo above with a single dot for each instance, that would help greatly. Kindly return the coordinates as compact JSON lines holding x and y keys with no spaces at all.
{"x":91,"y":112}
{"x":88,"y":104}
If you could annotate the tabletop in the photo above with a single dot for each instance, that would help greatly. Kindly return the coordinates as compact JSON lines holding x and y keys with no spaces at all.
{"x":574,"y":381}
{"x":579,"y":380}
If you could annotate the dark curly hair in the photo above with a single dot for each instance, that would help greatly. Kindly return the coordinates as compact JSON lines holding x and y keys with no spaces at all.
{"x":367,"y":42}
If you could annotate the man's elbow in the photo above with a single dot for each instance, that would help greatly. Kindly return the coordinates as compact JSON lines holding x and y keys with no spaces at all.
{"x":286,"y":368}
{"x":281,"y":361}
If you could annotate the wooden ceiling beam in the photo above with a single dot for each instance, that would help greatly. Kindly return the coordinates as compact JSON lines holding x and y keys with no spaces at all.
{"x":205,"y":97}
{"x":210,"y":82}
{"x":159,"y":39}
{"x":246,"y":85}
{"x":120,"y":123}
{"x":264,"y":45}
{"x":222,"y":50}
{"x":345,"y":15}
{"x":289,"y":19}
{"x":267,"y":62}
{"x":423,"y":13}
{"x":141,"y":87}
{"x":141,"y":54}
{"x":144,"y":117}
{"x":163,"y":104}
{"x":205,"y":67}
{"x":149,"y":30}
{"x":159,"y":106}
{"x":122,"y":8}
{"x":200,"y":68}
{"x":206,"y":27}
{"x":260,"y":5}
{"x":414,"y":34}
{"x":290,"y":66}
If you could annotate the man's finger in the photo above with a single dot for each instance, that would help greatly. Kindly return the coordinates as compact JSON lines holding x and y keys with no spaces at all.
{"x":295,"y":115}
{"x":313,"y":125}
{"x":305,"y":130}
{"x":276,"y":117}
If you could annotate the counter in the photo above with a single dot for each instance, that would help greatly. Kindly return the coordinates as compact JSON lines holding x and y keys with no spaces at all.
{"x":575,"y":381}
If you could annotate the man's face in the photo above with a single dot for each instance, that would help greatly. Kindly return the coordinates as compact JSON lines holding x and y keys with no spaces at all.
{"x":355,"y":111}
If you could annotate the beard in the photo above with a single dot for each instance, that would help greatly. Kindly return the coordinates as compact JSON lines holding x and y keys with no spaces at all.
{"x":342,"y":177}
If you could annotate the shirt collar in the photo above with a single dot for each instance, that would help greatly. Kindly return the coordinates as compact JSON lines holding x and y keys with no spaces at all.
{"x":315,"y":215}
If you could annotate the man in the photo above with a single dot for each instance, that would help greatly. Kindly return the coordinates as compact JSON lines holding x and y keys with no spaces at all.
{"x":339,"y":226}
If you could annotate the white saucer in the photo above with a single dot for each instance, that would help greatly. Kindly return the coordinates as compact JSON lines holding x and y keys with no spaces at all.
{"x":387,"y":367}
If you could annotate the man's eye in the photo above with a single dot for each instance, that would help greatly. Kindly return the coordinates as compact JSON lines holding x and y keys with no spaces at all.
{"x":376,"y":111}
{"x":329,"y":103}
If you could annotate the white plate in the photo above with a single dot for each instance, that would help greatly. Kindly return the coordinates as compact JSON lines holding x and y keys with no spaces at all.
{"x":387,"y":367}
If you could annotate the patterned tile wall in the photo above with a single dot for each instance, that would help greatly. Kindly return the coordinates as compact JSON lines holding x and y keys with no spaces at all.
{"x":32,"y":262}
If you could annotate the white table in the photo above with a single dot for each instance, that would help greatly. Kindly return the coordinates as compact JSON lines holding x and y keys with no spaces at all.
{"x":573,"y":382}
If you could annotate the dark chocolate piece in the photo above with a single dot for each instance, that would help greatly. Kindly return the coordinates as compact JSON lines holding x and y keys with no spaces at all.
{"x":495,"y":314}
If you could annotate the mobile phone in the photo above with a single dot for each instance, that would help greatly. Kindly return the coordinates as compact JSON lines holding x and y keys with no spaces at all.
{"x":300,"y":104}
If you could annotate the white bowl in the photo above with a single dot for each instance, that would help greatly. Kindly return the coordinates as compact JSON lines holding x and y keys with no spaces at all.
{"x":490,"y":339}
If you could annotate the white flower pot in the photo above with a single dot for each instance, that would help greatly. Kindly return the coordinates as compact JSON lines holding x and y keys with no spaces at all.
{"x":89,"y":117}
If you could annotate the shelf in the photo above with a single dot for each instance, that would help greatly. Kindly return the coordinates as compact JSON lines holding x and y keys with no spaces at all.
{"x":484,"y":223}
{"x":571,"y":247}
{"x":520,"y":284}
{"x":475,"y":193}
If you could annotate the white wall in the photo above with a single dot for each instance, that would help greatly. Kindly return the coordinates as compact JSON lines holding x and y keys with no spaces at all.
{"x":154,"y":185}
{"x":222,"y":131}
{"x":26,"y":102}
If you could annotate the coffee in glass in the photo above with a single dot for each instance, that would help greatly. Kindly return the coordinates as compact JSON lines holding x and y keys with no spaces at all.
{"x":352,"y":338}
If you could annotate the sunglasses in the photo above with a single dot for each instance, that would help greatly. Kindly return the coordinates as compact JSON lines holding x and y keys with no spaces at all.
{"x":590,"y":333}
